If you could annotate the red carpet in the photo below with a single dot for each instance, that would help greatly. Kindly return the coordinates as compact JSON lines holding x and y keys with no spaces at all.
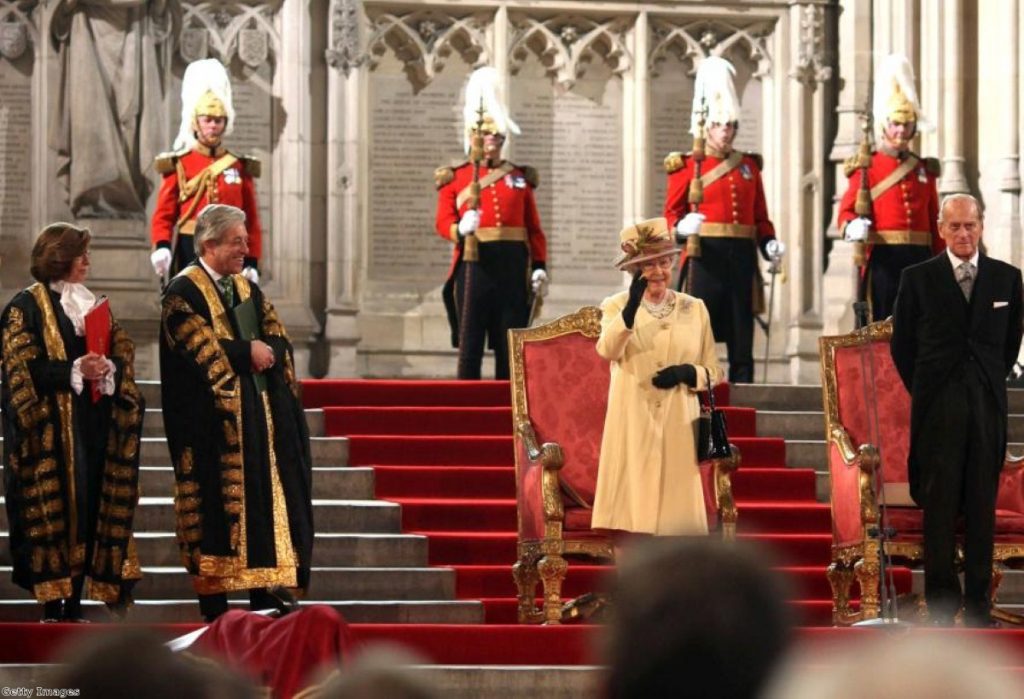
{"x":444,"y":451}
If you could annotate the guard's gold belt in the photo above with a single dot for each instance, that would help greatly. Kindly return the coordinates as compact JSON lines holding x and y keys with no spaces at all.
{"x":493,"y":234}
{"x":727,"y":230}
{"x":900,"y":238}
{"x":187,"y":228}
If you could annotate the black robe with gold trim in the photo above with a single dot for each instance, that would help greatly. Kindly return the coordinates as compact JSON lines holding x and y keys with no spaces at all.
{"x":71,"y":466}
{"x":243,"y":472}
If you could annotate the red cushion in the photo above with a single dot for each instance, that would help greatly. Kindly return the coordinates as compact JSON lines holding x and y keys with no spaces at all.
{"x":567,"y":397}
{"x":863,"y":378}
{"x":577,"y":519}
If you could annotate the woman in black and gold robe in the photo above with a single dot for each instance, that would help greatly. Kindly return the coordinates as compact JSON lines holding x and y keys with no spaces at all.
{"x":71,"y":464}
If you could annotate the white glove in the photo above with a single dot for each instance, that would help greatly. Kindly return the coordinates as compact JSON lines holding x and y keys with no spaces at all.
{"x":775,"y":249}
{"x":251,"y":274}
{"x":539,"y":282}
{"x":689,"y":224}
{"x":469,"y":223}
{"x":161,"y":261}
{"x":857,"y":230}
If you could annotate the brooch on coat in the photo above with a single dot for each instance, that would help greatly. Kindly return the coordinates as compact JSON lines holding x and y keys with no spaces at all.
{"x":232,"y":176}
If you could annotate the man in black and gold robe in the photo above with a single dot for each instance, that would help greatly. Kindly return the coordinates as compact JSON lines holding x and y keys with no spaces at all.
{"x":71,"y":461}
{"x":235,"y":426}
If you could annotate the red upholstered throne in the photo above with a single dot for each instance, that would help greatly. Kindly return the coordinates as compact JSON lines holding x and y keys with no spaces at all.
{"x":559,"y":397}
{"x":857,"y":371}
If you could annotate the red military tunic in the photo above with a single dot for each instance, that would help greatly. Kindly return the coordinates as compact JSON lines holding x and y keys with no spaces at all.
{"x":508,"y":210}
{"x":232,"y":185}
{"x":734,"y":205}
{"x":904,"y":214}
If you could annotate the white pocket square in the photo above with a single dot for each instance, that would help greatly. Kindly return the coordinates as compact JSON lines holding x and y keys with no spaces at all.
{"x":1000,"y":304}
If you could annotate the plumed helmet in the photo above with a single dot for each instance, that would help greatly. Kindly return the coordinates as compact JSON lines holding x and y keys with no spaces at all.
{"x":205,"y":91}
{"x":895,"y":97}
{"x":714,"y":91}
{"x":483,"y":88}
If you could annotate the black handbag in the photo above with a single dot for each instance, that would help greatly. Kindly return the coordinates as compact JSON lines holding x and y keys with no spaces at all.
{"x":712,"y":436}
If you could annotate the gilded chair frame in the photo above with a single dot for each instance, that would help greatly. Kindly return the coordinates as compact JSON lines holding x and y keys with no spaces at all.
{"x":862,"y":560}
{"x":543,"y":560}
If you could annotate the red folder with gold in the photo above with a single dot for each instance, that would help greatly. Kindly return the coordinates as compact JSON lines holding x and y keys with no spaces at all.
{"x":97,"y":336}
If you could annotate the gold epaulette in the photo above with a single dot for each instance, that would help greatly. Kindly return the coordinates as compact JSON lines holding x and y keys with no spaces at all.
{"x":531,"y":175}
{"x":443,"y":175}
{"x":165,"y":162}
{"x":674,"y":161}
{"x":251,"y":164}
{"x":933,"y":166}
{"x":757,"y":158}
{"x":851,"y":164}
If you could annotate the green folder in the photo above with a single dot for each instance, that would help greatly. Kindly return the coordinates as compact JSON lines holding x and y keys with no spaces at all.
{"x":248,"y":324}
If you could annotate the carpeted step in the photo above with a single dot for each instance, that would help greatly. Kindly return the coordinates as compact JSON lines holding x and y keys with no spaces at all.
{"x":784,"y":517}
{"x":320,"y":393}
{"x":788,"y":549}
{"x":423,"y":420}
{"x":445,"y":481}
{"x":774,"y":484}
{"x":461,"y":420}
{"x":389,"y":450}
{"x":463,"y":514}
{"x":477,"y":581}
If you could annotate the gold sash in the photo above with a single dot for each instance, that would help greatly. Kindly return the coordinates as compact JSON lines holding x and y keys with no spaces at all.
{"x":721,"y":170}
{"x":895,"y":176}
{"x":485,"y":182}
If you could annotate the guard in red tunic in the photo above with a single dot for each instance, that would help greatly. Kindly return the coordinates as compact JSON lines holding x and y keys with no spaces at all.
{"x":201,"y":171}
{"x":731,"y":220}
{"x":903,"y":227}
{"x":511,"y":269}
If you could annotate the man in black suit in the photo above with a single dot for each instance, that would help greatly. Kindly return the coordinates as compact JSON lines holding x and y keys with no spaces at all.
{"x":957,"y":327}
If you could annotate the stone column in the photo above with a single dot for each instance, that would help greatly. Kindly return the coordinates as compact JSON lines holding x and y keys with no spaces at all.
{"x":809,"y":71}
{"x":855,"y":66}
{"x":346,"y":148}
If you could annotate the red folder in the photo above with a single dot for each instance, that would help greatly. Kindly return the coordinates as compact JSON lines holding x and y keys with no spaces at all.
{"x":97,"y":336}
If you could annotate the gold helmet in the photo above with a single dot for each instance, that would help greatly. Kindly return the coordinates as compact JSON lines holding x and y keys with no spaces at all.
{"x":895,"y":96}
{"x":483,"y":89}
{"x":205,"y":91}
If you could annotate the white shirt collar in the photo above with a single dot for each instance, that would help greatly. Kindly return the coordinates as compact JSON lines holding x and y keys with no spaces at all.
{"x":209,"y":270}
{"x":956,"y":261}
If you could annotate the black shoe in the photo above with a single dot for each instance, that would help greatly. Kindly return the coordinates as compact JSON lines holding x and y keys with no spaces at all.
{"x":277,"y":598}
{"x":53,"y":611}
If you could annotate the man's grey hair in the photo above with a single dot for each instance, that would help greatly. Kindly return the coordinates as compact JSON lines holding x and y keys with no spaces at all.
{"x":213,"y":222}
{"x":950,"y":198}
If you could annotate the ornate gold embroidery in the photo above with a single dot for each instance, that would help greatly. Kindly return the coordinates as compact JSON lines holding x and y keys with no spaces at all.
{"x":52,"y":589}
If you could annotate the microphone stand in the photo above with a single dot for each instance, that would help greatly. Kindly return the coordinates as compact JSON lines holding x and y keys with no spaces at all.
{"x":889,"y":616}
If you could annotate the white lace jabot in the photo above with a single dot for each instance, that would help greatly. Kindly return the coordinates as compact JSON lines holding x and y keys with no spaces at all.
{"x":76,"y":300}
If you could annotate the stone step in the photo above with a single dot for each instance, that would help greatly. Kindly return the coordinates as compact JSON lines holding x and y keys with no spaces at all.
{"x":177,"y":611}
{"x":153,"y":423}
{"x":340,"y":516}
{"x":787,"y":397}
{"x":513,"y":681}
{"x":1011,"y":589}
{"x":450,"y":681}
{"x":810,"y":453}
{"x":791,"y":424}
{"x":331,"y":583}
{"x":366,"y":550}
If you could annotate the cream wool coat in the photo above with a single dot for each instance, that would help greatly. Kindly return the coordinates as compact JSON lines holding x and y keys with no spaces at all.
{"x":648,"y":480}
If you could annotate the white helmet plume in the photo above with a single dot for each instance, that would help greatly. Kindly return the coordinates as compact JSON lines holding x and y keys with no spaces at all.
{"x":483,"y":87}
{"x":895,"y":97}
{"x":713,"y":90}
{"x":203,"y":80}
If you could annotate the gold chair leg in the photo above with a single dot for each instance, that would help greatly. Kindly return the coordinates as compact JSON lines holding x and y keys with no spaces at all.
{"x":840,"y":579}
{"x":552,"y":570}
{"x":867,"y":572}
{"x":524,"y":572}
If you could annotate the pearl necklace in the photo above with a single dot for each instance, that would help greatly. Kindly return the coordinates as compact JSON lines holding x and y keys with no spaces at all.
{"x":662,"y":308}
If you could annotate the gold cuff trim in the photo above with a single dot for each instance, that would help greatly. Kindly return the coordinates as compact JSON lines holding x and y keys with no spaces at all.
{"x":187,"y":228}
{"x":727,"y":230}
{"x":497,"y":233}
{"x":453,"y":232}
{"x":900,"y":238}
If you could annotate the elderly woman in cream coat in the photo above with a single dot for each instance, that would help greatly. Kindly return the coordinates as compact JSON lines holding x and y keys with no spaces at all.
{"x":662,"y":352}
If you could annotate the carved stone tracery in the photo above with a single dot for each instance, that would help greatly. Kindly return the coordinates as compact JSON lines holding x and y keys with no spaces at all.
{"x":223,"y":30}
{"x":424,"y":40}
{"x":346,"y":51}
{"x":696,"y":40}
{"x":17,"y":30}
{"x":812,"y":64}
{"x":566,"y":45}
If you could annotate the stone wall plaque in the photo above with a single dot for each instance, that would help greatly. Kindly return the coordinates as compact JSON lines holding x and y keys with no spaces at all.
{"x":16,"y":126}
{"x":574,"y":139}
{"x":411,"y":135}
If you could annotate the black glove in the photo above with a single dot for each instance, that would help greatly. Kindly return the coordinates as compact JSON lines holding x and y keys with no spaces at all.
{"x":636,"y":292}
{"x":672,"y":376}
